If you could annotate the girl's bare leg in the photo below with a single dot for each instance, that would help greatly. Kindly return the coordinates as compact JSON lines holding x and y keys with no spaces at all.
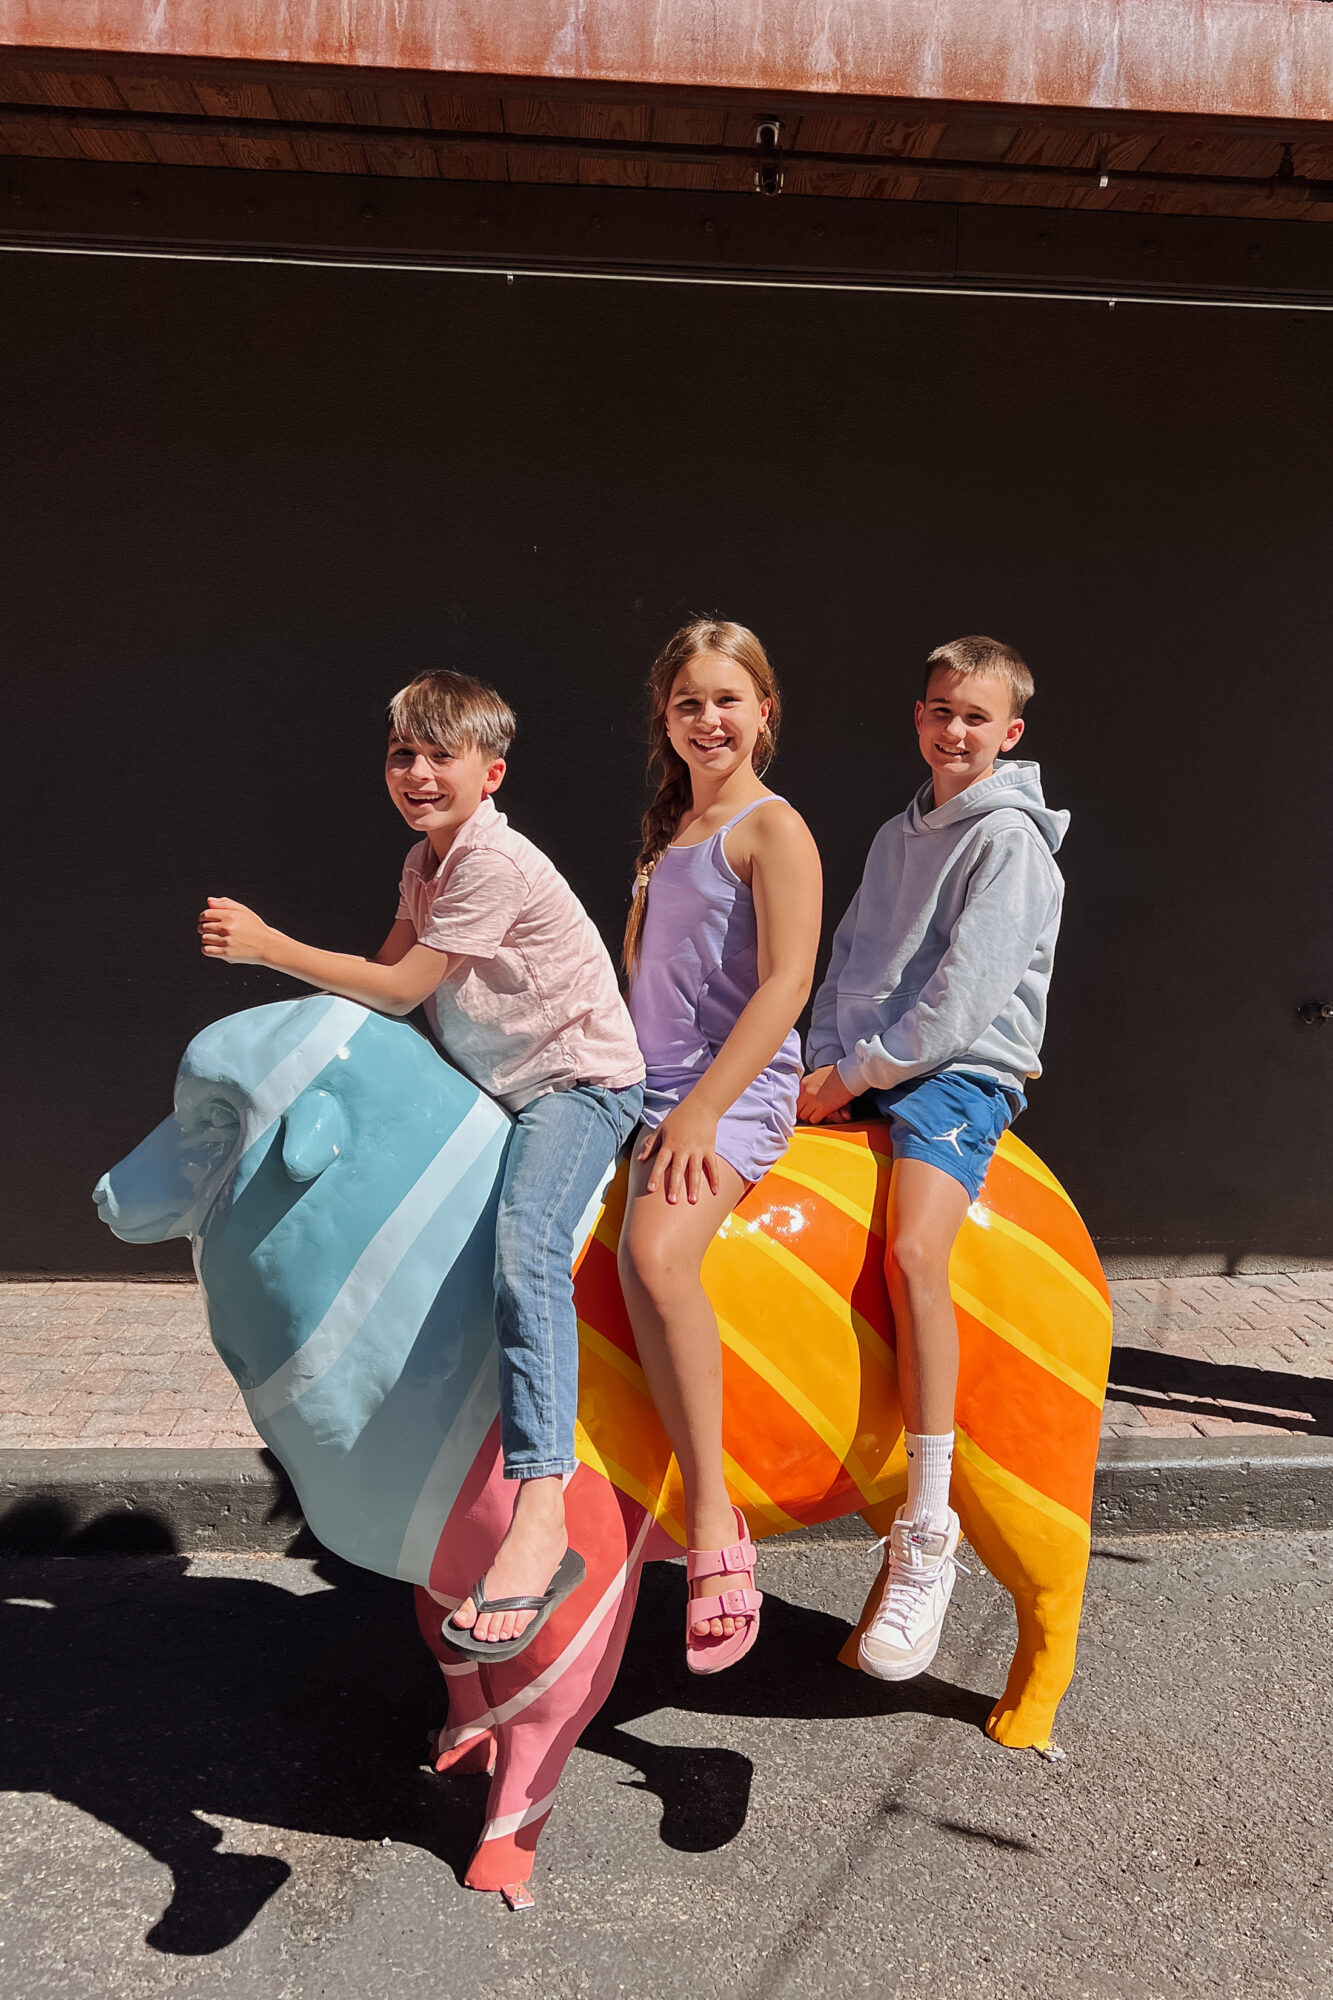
{"x":662,"y":1246}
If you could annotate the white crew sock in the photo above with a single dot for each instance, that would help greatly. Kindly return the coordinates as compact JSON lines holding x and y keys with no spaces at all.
{"x":929,"y":1470}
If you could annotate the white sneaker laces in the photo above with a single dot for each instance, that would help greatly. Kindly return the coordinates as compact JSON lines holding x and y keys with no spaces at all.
{"x":908,"y":1580}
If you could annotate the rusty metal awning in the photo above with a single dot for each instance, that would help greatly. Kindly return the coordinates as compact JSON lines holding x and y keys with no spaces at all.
{"x":1171,"y":147}
{"x":1252,"y":59}
{"x":1163,"y":106}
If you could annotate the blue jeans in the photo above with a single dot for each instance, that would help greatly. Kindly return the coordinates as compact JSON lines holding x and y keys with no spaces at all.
{"x":562,"y":1145}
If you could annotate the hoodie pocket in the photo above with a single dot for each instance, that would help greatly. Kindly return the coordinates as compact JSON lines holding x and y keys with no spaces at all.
{"x":884,"y":1008}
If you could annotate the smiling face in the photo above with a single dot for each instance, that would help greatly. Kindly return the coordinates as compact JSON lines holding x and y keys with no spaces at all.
{"x":436,"y":792}
{"x":714,"y":716}
{"x":963,"y":725}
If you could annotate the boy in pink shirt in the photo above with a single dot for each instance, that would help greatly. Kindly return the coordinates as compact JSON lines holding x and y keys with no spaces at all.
{"x":522,"y":997}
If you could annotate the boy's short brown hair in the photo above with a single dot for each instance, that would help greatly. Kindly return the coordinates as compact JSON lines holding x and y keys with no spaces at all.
{"x":452,"y":712}
{"x":978,"y":655}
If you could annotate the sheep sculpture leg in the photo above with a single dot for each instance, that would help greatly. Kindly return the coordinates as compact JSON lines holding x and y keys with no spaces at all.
{"x":1044,"y":1570}
{"x":521,"y":1718}
{"x":1034,"y":1345}
{"x":1045,"y":1578}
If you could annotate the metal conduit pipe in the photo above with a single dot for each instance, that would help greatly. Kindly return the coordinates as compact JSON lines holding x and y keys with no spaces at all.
{"x":1285,"y":184}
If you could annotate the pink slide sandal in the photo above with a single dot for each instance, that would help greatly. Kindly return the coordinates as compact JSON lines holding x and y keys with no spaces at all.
{"x":710,"y":1656}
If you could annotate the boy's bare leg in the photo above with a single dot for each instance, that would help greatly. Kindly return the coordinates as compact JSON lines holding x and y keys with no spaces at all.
{"x":661,"y":1248}
{"x":525,"y":1561}
{"x":926,"y":1210}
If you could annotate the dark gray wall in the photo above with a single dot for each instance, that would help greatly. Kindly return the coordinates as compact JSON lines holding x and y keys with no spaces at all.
{"x":243,"y":504}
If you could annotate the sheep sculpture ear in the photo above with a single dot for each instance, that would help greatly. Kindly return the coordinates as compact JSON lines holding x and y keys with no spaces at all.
{"x":314,"y":1133}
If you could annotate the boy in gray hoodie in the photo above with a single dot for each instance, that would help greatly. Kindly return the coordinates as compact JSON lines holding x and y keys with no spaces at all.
{"x":935,"y":1004}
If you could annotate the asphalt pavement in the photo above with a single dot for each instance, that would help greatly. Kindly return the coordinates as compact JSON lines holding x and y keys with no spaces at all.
{"x":213,"y":1789}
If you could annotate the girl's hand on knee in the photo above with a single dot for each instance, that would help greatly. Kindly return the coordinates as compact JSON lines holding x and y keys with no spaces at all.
{"x":684,"y":1152}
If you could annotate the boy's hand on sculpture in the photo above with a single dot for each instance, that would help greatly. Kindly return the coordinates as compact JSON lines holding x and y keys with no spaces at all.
{"x":229,"y":930}
{"x":685,"y":1145}
{"x":824,"y":1097}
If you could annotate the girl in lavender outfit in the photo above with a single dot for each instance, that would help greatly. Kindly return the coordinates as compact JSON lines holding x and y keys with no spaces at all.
{"x":720,"y":952}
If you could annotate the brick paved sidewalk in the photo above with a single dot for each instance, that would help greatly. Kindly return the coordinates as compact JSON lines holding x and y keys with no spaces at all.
{"x":131,"y":1364}
{"x":1211,"y":1357}
{"x":112,"y":1364}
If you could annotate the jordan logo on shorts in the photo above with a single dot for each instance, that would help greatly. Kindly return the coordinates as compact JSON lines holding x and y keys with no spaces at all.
{"x":949,"y":1138}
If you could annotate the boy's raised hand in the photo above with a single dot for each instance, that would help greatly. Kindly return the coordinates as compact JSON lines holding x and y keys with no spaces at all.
{"x":228,"y":930}
{"x":824,"y":1097}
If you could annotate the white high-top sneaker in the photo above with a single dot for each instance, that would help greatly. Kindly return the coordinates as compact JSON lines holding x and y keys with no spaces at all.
{"x":903,"y":1636}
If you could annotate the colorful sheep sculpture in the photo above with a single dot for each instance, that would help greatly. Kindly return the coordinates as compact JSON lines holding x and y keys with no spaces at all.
{"x":337,"y":1179}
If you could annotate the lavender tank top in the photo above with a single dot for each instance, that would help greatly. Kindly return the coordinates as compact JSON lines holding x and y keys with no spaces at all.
{"x":699,"y":961}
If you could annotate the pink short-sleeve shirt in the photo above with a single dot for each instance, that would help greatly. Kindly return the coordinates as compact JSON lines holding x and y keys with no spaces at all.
{"x":535,"y":1005}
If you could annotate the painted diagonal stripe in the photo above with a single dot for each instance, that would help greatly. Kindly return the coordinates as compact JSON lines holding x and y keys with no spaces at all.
{"x":592,"y":1215}
{"x":658,"y":1498}
{"x":453,"y":1463}
{"x":599,"y":1301}
{"x":507,"y":1823}
{"x":1023,"y":1417}
{"x":1011,"y":1150}
{"x":855,"y":1210}
{"x":839,"y":1442}
{"x":1018,"y":1155}
{"x":629,"y":1482}
{"x":754,"y":1499}
{"x":625,"y":1443}
{"x":1052,"y":1509}
{"x":285,"y":1082}
{"x":1014,"y":1336}
{"x":990,"y":1219}
{"x":606,"y":1350}
{"x":870,"y":1343}
{"x":1044,"y":1214}
{"x":375,"y":1266}
{"x":1002,"y":1225}
{"x":813,"y":1137}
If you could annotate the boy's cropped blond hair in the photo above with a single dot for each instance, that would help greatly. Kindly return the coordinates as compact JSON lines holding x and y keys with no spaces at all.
{"x":978,"y":655}
{"x":452,"y":712}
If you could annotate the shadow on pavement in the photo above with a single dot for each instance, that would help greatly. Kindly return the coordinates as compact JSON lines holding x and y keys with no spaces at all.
{"x":147,"y":1696}
{"x":1189,"y":1388}
{"x":705,"y":1792}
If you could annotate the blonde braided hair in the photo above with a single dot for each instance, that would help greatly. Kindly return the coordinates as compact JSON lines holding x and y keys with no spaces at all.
{"x":674,"y":791}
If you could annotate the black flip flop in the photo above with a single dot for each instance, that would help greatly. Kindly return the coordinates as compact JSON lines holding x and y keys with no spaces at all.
{"x":565,"y":1581}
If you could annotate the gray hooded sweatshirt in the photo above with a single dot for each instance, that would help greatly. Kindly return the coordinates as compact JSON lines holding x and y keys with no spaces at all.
{"x":944,"y":958}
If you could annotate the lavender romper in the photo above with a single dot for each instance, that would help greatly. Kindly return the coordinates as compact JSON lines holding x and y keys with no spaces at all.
{"x":698,"y":968}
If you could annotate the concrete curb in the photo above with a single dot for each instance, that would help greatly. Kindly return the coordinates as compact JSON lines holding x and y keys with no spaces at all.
{"x":240,"y":1501}
{"x":147,"y":1501}
{"x":1167,"y":1486}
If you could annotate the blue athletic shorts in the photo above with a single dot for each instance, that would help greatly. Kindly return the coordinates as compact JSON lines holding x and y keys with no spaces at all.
{"x":951,"y":1121}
